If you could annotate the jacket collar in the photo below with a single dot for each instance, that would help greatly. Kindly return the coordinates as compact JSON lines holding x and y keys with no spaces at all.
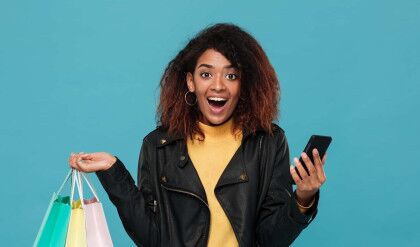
{"x":165,"y":139}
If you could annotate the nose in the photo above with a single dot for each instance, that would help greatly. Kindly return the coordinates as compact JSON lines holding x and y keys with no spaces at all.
{"x":218,"y":83}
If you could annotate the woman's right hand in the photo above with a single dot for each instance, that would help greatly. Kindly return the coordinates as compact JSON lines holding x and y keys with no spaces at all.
{"x":91,"y":162}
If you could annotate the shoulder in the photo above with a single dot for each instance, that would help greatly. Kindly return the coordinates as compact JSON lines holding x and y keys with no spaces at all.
{"x":159,"y":137}
{"x":275,"y":139}
{"x":277,"y":132}
{"x":277,"y":129}
{"x":263,"y":138}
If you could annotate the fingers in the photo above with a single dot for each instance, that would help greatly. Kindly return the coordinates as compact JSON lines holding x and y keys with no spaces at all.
{"x":73,"y":159}
{"x":324,"y":158}
{"x":314,"y":172}
{"x":294,"y":174}
{"x":85,"y":156}
{"x":318,"y":165}
{"x":303,"y":174}
{"x":83,"y":166}
{"x":309,"y":165}
{"x":76,"y":161}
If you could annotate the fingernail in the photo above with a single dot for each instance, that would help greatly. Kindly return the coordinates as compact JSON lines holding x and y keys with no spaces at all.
{"x":315,"y":151}
{"x":303,"y":155}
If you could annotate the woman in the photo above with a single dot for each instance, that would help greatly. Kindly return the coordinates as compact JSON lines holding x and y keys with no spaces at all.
{"x":216,"y":171}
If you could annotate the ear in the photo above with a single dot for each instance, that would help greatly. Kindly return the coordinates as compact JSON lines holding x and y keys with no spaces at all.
{"x":190,"y":82}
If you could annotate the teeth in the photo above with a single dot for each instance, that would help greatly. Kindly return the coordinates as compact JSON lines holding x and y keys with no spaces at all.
{"x":217,"y":99}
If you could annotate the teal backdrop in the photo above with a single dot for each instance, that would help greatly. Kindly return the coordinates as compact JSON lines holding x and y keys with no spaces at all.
{"x":83,"y":76}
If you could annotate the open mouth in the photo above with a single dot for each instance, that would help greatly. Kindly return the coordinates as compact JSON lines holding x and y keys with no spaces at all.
{"x":216,"y":101}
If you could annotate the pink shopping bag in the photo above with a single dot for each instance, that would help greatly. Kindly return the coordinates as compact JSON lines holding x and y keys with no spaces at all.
{"x":97,"y":233}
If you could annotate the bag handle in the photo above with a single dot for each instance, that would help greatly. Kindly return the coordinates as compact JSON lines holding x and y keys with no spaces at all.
{"x":79,"y":187}
{"x":64,"y":182}
{"x":73,"y":181}
{"x":89,"y":183}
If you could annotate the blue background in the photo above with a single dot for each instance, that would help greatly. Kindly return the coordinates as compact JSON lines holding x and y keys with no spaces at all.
{"x":83,"y":76}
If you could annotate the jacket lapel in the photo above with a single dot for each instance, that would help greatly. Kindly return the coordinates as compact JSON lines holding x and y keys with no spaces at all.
{"x":179,"y":174}
{"x":235,"y":171}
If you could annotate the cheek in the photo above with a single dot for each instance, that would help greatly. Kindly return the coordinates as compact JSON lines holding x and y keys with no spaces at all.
{"x":201,"y":94}
{"x":236,"y":92}
{"x":201,"y":98}
{"x":200,"y":86}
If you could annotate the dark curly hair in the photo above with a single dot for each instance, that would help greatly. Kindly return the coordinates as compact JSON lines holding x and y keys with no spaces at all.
{"x":257,"y":106}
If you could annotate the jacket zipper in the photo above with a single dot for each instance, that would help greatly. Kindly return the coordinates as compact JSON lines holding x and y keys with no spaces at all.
{"x":154,"y":205}
{"x":186,"y":192}
{"x":193,"y":195}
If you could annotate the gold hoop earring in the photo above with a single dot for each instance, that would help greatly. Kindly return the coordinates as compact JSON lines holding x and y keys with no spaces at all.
{"x":186,"y":100}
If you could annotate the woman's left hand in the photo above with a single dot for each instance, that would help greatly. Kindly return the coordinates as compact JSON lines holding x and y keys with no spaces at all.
{"x":309,"y":182}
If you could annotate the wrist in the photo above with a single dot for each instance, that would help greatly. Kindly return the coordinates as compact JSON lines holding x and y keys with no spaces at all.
{"x":305,"y":200}
{"x":111,"y":162}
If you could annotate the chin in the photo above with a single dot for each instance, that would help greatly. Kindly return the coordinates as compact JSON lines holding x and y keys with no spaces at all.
{"x":216,"y":120}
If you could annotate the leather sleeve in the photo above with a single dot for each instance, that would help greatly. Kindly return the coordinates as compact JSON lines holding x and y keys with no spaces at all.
{"x":134,"y":204}
{"x":280,"y":221}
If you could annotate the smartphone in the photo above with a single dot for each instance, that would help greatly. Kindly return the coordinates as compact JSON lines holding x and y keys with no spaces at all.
{"x":321,"y":143}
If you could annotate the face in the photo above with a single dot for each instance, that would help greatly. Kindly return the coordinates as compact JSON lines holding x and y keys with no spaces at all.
{"x":216,"y":83}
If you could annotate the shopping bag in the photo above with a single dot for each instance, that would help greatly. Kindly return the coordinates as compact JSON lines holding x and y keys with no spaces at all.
{"x":97,"y":232}
{"x":53,"y":228}
{"x":76,"y":234}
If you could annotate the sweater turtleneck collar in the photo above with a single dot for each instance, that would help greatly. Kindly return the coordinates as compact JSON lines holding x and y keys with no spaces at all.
{"x":221,"y":131}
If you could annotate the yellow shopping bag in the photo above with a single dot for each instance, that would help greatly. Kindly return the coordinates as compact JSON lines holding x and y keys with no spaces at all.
{"x":76,"y":233}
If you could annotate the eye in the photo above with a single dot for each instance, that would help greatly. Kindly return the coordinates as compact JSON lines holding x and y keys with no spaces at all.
{"x":205,"y":75}
{"x":231,"y":77}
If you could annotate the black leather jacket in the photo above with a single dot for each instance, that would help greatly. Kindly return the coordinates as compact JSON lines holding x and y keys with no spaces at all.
{"x":169,"y":208}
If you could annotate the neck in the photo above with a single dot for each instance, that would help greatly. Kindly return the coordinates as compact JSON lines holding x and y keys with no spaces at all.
{"x":219,"y":131}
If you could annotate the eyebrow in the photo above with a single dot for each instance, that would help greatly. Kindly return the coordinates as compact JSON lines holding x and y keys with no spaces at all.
{"x":211,"y":66}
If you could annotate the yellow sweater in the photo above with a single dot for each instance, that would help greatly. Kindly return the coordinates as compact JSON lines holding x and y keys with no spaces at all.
{"x":210,"y":158}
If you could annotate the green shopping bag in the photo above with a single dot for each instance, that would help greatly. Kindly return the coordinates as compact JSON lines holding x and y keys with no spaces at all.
{"x":53,"y":230}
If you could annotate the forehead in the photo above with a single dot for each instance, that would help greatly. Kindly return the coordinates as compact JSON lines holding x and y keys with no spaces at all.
{"x":213,"y":58}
